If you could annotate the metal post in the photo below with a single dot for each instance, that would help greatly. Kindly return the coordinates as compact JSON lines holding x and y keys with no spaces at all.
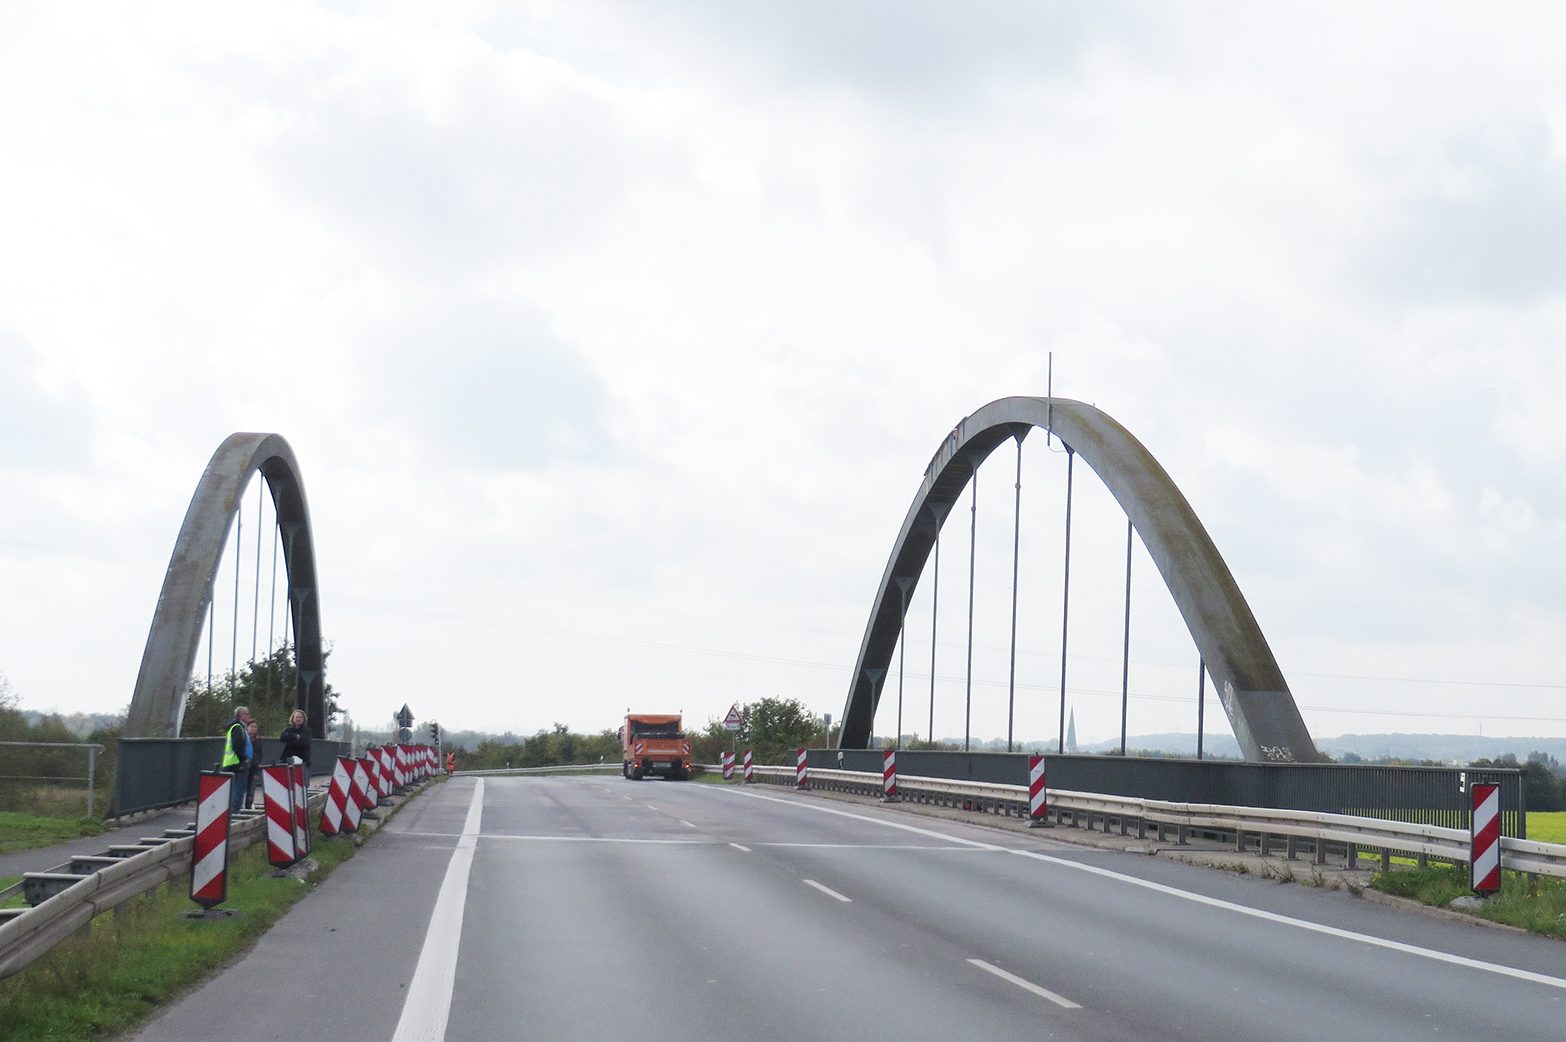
{"x":1201,"y":702}
{"x":1016,"y":545}
{"x":1125,"y":662}
{"x":271,"y":612}
{"x":1065,"y":610}
{"x":973,"y":546}
{"x":903,"y":583}
{"x":255,"y":610}
{"x":935,"y":615}
{"x":92,"y":765}
{"x":239,"y":542}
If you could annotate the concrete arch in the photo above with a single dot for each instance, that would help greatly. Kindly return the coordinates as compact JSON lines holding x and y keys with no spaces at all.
{"x":158,"y":704}
{"x":1249,"y":683}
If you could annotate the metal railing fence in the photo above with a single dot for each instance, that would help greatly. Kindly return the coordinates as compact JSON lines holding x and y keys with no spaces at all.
{"x":1420,"y":795}
{"x":162,"y":772}
{"x":49,"y":763}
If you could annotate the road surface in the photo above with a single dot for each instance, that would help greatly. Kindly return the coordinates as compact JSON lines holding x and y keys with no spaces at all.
{"x":558,"y":908}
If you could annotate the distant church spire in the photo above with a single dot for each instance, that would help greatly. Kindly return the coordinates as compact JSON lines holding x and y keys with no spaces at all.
{"x":1071,"y":732}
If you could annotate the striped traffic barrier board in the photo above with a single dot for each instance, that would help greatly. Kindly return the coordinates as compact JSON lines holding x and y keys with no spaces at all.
{"x":1038,"y":798}
{"x":277,"y":797}
{"x":728,"y":766}
{"x":299,"y":778}
{"x":334,"y":815}
{"x":1486,"y":828}
{"x":209,"y":855}
{"x":750,"y":768}
{"x":889,"y":775}
{"x":801,"y":770}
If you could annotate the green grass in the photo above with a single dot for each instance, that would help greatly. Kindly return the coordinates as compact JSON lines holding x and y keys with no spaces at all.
{"x":26,"y":831}
{"x":1538,"y":905}
{"x":132,"y":963}
{"x":1547,"y":826}
{"x":15,"y":900}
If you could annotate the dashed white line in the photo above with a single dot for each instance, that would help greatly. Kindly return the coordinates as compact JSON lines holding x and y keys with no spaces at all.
{"x":740,"y":847}
{"x":1436,"y":955}
{"x":828,"y":891}
{"x":1026,"y":985}
{"x":686,"y":824}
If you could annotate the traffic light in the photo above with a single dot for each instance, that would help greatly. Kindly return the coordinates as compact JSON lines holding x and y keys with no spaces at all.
{"x":435,"y":732}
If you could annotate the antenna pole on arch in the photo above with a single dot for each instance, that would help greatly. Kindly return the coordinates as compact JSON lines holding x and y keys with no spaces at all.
{"x":1049,"y":407}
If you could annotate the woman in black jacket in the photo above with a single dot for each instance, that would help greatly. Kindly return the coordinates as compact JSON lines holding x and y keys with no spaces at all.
{"x":296,"y":737}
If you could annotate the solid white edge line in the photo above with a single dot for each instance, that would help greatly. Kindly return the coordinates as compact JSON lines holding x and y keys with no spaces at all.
{"x":427,"y":1003}
{"x":1186,"y":895}
{"x":1026,"y":985}
{"x":829,"y":891}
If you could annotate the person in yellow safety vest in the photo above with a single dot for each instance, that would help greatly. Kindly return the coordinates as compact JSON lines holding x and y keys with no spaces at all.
{"x":451,"y":763}
{"x":238,"y":752}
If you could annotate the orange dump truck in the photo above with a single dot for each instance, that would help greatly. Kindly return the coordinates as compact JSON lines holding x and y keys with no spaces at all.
{"x":654,"y":743}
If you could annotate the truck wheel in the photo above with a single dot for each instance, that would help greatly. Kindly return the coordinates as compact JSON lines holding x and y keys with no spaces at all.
{"x":625,"y":769}
{"x":636,"y":774}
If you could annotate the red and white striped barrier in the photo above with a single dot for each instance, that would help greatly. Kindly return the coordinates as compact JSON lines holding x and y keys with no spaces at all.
{"x":889,"y":775}
{"x":388,"y":779}
{"x":400,"y":766}
{"x":334,"y":815}
{"x":299,"y":778}
{"x":209,"y":856}
{"x":750,"y":769}
{"x":1486,"y":829}
{"x":361,"y":784}
{"x":1038,"y":798}
{"x":728,"y":766}
{"x":352,"y":811}
{"x":801,"y":770}
{"x":277,"y":797}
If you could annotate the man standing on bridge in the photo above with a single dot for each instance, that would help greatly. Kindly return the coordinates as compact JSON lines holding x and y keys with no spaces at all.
{"x":238,"y":753}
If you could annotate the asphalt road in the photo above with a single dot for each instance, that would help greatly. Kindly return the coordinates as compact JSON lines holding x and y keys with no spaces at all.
{"x":600,"y":908}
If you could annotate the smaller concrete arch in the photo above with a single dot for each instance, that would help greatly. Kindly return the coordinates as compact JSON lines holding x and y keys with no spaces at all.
{"x":158,"y":703}
{"x":1248,"y":682}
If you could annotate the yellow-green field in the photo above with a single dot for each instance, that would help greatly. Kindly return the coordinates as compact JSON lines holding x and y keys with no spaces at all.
{"x":1547,"y":826}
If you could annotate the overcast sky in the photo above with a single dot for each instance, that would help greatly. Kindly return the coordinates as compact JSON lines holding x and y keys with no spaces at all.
{"x":613,"y":341}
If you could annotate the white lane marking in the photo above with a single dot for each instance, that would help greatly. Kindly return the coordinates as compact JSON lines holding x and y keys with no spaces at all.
{"x":427,"y":1004}
{"x":686,"y":824}
{"x":829,"y":891}
{"x":740,"y":847}
{"x":649,"y":806}
{"x":1026,"y":985}
{"x":1186,"y":895}
{"x":1306,"y":924}
{"x":882,"y":846}
{"x":575,"y":839}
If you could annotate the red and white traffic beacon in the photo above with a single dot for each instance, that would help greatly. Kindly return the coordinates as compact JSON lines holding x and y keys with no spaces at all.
{"x":209,"y":854}
{"x":1485,"y":829}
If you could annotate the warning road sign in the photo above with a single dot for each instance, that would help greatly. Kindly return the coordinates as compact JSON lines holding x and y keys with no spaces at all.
{"x":733,"y":722}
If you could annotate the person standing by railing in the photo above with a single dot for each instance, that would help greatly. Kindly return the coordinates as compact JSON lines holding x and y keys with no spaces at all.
{"x":238,"y":754}
{"x":296,"y":738}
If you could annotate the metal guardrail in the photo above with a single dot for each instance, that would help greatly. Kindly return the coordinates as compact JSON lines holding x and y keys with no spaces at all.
{"x":1266,"y":825}
{"x":122,"y":875}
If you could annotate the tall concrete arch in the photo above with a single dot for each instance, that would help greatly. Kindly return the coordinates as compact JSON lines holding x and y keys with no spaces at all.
{"x":158,"y":704}
{"x":1249,"y":683}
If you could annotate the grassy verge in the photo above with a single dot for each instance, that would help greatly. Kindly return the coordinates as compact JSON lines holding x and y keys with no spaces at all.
{"x":15,"y":901}
{"x":1538,"y":906}
{"x":137,"y":959}
{"x":26,"y":831}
